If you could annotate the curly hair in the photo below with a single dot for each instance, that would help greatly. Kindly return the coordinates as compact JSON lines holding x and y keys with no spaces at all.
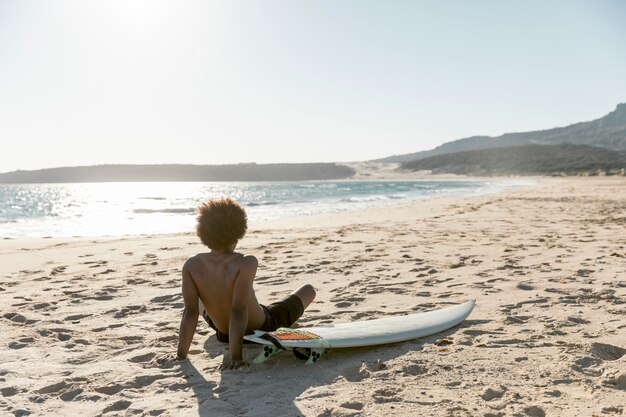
{"x":221,"y":223}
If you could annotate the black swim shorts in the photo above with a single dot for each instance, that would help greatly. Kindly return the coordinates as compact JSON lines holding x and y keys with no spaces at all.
{"x":282,"y":313}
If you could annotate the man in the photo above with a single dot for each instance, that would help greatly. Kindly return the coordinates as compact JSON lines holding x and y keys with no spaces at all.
{"x":223,"y":281}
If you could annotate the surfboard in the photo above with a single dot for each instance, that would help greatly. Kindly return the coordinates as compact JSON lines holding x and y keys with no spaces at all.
{"x":314,"y":342}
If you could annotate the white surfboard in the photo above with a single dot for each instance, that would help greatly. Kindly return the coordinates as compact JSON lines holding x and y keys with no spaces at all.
{"x":360,"y":333}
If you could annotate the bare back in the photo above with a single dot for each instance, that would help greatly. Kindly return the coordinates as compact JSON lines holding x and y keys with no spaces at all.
{"x":214,"y":276}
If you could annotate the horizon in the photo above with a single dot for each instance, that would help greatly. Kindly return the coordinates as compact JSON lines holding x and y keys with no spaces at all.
{"x":267,"y":163}
{"x":153,"y":83}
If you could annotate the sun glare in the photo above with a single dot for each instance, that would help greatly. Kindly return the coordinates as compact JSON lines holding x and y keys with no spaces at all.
{"x":139,"y":17}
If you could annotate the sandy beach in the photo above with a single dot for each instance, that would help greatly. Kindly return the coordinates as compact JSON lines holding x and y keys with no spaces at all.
{"x":84,"y":321}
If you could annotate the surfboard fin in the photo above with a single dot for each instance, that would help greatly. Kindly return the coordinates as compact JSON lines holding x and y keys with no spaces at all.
{"x":316,"y":355}
{"x":266,"y":353}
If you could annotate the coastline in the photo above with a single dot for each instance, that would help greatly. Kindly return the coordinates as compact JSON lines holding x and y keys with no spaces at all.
{"x":127,"y":209}
{"x":84,"y":319}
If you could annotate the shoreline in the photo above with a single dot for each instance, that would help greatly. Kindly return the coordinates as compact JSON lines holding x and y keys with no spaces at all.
{"x":500,"y":184}
{"x":85,"y":319}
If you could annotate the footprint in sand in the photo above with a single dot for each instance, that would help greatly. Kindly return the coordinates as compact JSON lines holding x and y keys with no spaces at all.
{"x":58,"y":333}
{"x":100,"y":296}
{"x":129,"y":310}
{"x":117,"y":406}
{"x":45,"y":278}
{"x":343,"y":304}
{"x":491,"y":394}
{"x":137,"y":281}
{"x":414,"y":370}
{"x":353,"y":405}
{"x":554,"y":393}
{"x":147,"y":357}
{"x":76,"y":318}
{"x":111,"y":326}
{"x":361,"y":315}
{"x":168,"y":301}
{"x":66,"y":390}
{"x":607,"y":352}
{"x":534,"y":411}
{"x":15,"y":317}
{"x":10,"y":391}
{"x":17,"y":345}
{"x":356,"y":373}
{"x":130,"y":340}
{"x":148,"y":259}
{"x":95,"y":264}
{"x":54,"y":388}
{"x":385,"y":395}
{"x":448,"y":294}
{"x":588,"y":366}
{"x":58,"y":270}
{"x":517,"y":319}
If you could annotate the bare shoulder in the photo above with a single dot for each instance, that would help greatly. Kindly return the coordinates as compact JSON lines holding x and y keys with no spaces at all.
{"x":191,"y":263}
{"x":249,"y":261}
{"x":248,"y":265}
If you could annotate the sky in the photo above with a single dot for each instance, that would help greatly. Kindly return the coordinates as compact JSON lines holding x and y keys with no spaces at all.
{"x":86,"y":82}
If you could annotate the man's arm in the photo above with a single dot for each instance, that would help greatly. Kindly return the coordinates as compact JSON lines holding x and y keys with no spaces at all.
{"x":239,"y":311}
{"x":189,"y":320}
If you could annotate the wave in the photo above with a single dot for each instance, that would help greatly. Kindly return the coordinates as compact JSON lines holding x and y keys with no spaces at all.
{"x":373,"y":198}
{"x":67,"y":210}
{"x":364,"y":199}
{"x":166,"y":210}
{"x":261,"y":203}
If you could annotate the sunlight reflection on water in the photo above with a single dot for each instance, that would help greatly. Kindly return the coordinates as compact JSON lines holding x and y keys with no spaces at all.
{"x":101,"y":209}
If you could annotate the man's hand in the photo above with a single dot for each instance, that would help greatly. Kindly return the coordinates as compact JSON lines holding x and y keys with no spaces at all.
{"x":167,"y":359}
{"x":233,"y":364}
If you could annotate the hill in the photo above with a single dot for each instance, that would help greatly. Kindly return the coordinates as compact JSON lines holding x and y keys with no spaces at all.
{"x":131,"y":173}
{"x":608,"y":132}
{"x":525,"y":160}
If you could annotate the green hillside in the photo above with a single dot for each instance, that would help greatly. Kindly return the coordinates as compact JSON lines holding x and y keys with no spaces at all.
{"x":525,"y":160}
{"x":608,"y":132}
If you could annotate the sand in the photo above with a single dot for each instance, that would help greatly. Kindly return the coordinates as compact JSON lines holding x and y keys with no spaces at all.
{"x":83,"y":321}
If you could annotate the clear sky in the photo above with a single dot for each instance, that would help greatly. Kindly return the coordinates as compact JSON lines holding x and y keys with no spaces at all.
{"x":129,"y":81}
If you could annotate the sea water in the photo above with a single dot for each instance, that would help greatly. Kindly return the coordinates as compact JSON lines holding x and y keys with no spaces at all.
{"x":114,"y":209}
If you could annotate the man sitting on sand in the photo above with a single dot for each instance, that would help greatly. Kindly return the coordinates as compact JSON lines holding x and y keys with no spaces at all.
{"x":223,"y":279}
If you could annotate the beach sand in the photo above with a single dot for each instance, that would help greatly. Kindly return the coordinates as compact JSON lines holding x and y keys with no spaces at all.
{"x":83,"y":321}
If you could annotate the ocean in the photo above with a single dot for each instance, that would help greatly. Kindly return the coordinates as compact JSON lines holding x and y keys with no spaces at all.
{"x":116,"y":209}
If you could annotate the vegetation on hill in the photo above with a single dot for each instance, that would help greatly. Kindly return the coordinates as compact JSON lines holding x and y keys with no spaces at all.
{"x":129,"y":173}
{"x":525,"y":160}
{"x":608,"y":132}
